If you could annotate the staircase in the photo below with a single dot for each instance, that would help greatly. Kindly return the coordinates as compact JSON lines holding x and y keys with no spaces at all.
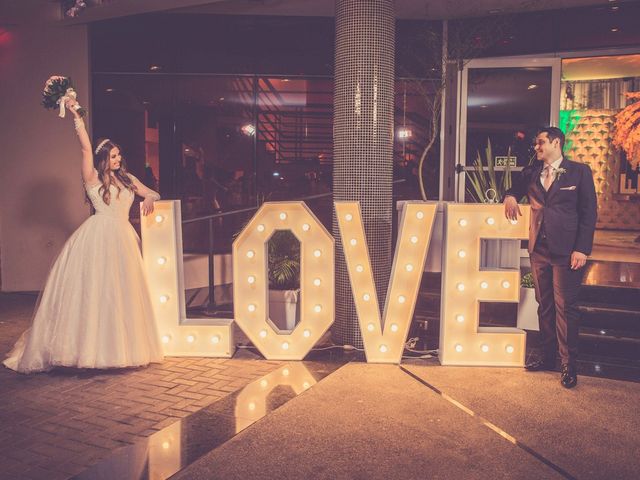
{"x":609,"y":307}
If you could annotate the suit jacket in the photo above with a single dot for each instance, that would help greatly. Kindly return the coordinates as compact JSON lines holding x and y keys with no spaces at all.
{"x":568,"y":210}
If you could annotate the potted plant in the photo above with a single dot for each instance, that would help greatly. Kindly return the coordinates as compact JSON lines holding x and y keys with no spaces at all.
{"x":528,"y":306}
{"x":284,"y":279}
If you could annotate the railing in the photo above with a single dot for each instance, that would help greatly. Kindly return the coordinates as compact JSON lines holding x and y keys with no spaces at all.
{"x":211,"y":308}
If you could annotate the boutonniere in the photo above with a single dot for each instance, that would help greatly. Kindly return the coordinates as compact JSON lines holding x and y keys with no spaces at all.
{"x":559,"y":172}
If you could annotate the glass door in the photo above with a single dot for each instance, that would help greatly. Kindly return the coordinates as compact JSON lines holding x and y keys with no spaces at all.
{"x":502,"y":104}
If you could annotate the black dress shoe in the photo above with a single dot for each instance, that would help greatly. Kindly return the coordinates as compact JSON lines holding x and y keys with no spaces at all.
{"x":568,"y":376}
{"x":539,"y":366}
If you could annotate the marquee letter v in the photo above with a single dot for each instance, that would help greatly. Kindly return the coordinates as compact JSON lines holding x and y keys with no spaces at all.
{"x":384,"y":340}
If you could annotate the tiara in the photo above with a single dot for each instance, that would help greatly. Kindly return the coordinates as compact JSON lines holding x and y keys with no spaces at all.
{"x":100,"y":145}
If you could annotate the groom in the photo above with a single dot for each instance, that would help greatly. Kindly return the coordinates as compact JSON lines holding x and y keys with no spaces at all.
{"x":563,"y":219}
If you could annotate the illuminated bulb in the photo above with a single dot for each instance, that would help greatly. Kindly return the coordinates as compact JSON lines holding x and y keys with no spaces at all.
{"x":263,"y":383}
{"x":166,"y":445}
{"x":484,"y":348}
{"x":215,"y":339}
{"x":394,"y":327}
{"x":491,"y":221}
{"x":383,"y":348}
{"x":251,"y":307}
{"x":164,"y":298}
{"x":317,"y":308}
{"x":316,"y":282}
{"x":371,"y":327}
{"x":462,"y":254}
{"x":191,"y":338}
{"x":306,"y":227}
{"x":283,"y":216}
{"x":484,"y":285}
{"x":317,"y":253}
{"x":409,"y":267}
{"x":366,"y":297}
{"x":251,"y":279}
{"x":462,"y":222}
{"x":263,"y":334}
{"x":401,"y":299}
{"x":261,"y":228}
{"x":285,"y":372}
{"x":460,"y":287}
{"x":166,"y":339}
{"x":458,"y":348}
{"x":305,"y":385}
{"x":505,"y":284}
{"x":252,"y":406}
{"x":285,"y":345}
{"x":509,"y":349}
{"x":420,"y":215}
{"x":460,"y":318}
{"x":251,"y":254}
{"x":159,"y":218}
{"x":353,"y":242}
{"x":162,"y":260}
{"x":348,"y":217}
{"x":414,"y":239}
{"x":359,"y":268}
{"x":306,"y":333}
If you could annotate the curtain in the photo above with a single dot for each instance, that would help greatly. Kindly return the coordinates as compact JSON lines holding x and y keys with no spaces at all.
{"x":597,"y":94}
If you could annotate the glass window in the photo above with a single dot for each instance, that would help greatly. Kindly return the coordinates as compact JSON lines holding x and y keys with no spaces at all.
{"x":593,"y":98}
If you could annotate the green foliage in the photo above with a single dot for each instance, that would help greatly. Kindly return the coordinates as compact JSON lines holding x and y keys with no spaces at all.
{"x":284,"y":261}
{"x":527,"y":280}
{"x":485,"y":187}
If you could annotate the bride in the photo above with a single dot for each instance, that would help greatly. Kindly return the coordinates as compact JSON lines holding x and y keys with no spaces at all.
{"x":95,"y":310}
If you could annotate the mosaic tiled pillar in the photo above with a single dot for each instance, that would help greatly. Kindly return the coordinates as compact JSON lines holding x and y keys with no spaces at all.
{"x":363,"y":142}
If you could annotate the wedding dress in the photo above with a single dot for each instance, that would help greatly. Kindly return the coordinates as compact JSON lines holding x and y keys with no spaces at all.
{"x":95,"y":310}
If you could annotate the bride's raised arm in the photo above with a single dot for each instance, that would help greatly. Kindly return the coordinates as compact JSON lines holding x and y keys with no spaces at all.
{"x":89,"y":174}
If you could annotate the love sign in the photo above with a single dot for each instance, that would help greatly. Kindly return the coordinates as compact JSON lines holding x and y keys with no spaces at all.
{"x":464,"y":285}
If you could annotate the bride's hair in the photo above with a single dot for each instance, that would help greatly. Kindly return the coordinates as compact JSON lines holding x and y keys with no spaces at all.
{"x":101,"y":164}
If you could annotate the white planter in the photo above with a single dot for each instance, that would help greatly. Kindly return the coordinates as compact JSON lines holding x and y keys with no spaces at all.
{"x":528,"y":310}
{"x":283,"y":308}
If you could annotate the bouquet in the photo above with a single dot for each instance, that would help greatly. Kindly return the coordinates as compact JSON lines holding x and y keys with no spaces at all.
{"x":59,"y":94}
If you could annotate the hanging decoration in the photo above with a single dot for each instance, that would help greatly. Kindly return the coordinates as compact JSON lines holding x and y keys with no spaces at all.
{"x":626,"y":136}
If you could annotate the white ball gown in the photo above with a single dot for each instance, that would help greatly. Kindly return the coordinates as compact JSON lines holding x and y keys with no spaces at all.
{"x":95,"y":310}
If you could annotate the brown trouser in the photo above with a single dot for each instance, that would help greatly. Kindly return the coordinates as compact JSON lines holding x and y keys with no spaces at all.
{"x":557,"y":288}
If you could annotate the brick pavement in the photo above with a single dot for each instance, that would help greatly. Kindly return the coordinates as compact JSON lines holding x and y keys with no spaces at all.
{"x":54,"y":425}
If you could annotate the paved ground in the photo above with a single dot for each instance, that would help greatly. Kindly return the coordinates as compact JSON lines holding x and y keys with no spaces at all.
{"x":418,"y":420}
{"x":372,"y":422}
{"x":55,"y":425}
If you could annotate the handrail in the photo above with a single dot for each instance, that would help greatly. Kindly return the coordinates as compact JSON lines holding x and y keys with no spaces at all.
{"x":211,"y":308}
{"x":250,"y":209}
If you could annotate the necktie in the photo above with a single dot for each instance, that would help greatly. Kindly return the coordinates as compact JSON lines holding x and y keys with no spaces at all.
{"x":548,"y":177}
